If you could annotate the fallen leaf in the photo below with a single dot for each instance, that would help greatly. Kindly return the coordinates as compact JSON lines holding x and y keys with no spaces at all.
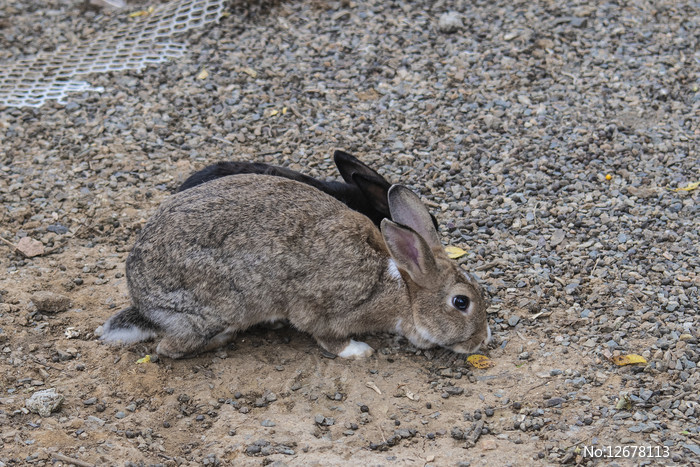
{"x":136,"y":14}
{"x":631,"y":359}
{"x":689,"y":187}
{"x":274,"y":112}
{"x":146,"y":359}
{"x":284,"y":111}
{"x":204,"y":74}
{"x":454,"y":252}
{"x":481,"y":362}
{"x":30,"y":247}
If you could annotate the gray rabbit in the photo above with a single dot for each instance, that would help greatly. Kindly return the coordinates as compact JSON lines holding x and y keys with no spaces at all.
{"x":237,"y":251}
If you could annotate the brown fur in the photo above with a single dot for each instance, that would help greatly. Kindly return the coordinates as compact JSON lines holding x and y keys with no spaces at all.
{"x":212,"y":262}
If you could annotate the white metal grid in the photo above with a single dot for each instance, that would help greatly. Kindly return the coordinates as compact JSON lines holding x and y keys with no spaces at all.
{"x":145,"y":40}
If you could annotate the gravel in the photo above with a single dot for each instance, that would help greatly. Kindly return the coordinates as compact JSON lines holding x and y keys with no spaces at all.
{"x":547,"y":139}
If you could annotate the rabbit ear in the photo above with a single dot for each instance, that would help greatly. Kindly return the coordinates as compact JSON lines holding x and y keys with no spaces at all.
{"x":407,"y":209}
{"x":376,"y":192}
{"x":411,"y":253}
{"x":349,"y":165}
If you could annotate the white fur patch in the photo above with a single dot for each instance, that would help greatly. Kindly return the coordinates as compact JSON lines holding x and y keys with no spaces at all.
{"x":393,"y":270}
{"x":127,"y":336}
{"x":425,"y":334}
{"x":356,"y":349}
{"x":398,"y":328}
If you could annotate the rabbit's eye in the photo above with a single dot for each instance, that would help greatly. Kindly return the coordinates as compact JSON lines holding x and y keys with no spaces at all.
{"x":461,"y":302}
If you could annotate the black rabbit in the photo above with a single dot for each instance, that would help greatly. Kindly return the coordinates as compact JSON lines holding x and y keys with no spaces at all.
{"x":364,"y":190}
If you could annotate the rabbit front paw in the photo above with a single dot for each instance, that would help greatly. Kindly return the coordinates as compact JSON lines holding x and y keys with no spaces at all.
{"x":346,"y":348}
{"x":356,"y":349}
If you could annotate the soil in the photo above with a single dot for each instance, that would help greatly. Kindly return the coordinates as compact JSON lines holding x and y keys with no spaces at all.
{"x":505,"y":117}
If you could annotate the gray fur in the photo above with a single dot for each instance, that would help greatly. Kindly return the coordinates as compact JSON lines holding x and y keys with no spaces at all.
{"x":228,"y":254}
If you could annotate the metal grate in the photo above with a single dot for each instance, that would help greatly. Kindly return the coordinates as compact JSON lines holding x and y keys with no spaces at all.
{"x":147,"y":39}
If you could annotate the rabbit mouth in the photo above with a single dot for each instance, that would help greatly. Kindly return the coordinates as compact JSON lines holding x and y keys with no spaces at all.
{"x":465,"y":348}
{"x":469,"y":346}
{"x":422,"y":338}
{"x":421,"y":343}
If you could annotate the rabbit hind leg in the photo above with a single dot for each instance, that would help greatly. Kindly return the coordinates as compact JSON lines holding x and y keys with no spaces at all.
{"x":189,"y":345}
{"x":220,"y":339}
{"x":180,"y":346}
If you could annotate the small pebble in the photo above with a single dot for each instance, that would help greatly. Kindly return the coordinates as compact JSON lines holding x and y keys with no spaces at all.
{"x":554,"y":401}
{"x":50,"y":302}
{"x":44,"y":402}
{"x":450,"y":22}
{"x":253,"y":449}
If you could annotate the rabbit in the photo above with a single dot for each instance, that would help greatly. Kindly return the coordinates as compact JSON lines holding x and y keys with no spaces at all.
{"x":211,"y":263}
{"x":364,"y":189}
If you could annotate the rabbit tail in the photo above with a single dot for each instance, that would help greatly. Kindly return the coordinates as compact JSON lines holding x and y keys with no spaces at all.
{"x":128,"y":326}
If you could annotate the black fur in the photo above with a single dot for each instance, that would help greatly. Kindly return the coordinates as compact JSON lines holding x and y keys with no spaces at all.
{"x":364,"y":189}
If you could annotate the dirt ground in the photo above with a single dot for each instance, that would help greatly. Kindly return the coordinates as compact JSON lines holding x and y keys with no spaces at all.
{"x":117,"y":410}
{"x":213,"y":408}
{"x":507,"y":122}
